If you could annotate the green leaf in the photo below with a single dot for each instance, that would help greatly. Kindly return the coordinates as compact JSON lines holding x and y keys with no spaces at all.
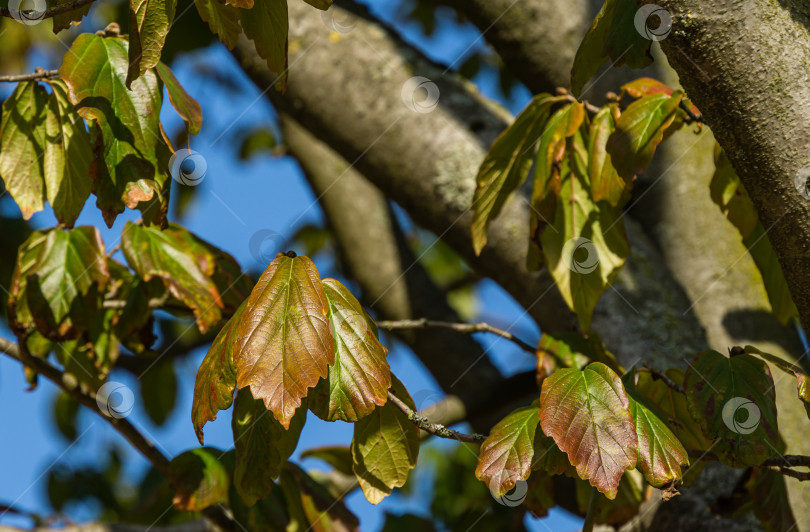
{"x":222,"y":19}
{"x":199,"y":479}
{"x":802,"y":381}
{"x":576,"y":350}
{"x":262,"y":446}
{"x":733,"y":400}
{"x":586,"y":246}
{"x":65,"y":414}
{"x":359,"y":379}
{"x":135,"y":156}
{"x":606,"y":184}
{"x":284,"y":343}
{"x":67,"y":156}
{"x":587,"y":414}
{"x":216,"y":378}
{"x":660,"y":454}
{"x":320,"y":4}
{"x":23,"y":139}
{"x":612,"y":35}
{"x":385,"y":447}
{"x":57,"y":279}
{"x":158,"y":386}
{"x":507,"y":164}
{"x":149,"y":23}
{"x":509,"y":452}
{"x":640,"y":129}
{"x":184,"y":263}
{"x":267,"y":26}
{"x":187,"y":107}
{"x":339,"y":457}
{"x":65,"y":20}
{"x":311,"y":506}
{"x":769,"y":497}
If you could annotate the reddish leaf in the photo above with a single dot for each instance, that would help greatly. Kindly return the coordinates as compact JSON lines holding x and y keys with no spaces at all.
{"x":587,"y":414}
{"x":284,"y":343}
{"x":187,"y":107}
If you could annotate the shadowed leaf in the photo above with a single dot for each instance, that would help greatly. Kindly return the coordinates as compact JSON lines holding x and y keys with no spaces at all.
{"x":587,"y":414}
{"x":262,"y":446}
{"x":266,"y":25}
{"x":384,"y":447}
{"x":733,"y":400}
{"x":73,"y":17}
{"x":338,"y":457}
{"x":802,"y":387}
{"x":187,"y":107}
{"x":222,"y":19}
{"x":769,"y":497}
{"x":149,"y":23}
{"x":311,"y":506}
{"x":199,"y":479}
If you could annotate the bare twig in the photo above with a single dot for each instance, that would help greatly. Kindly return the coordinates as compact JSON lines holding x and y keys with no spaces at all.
{"x":48,"y":13}
{"x":780,"y":464}
{"x":39,"y":73}
{"x":466,"y":328}
{"x":124,"y":427}
{"x":660,"y":375}
{"x":433,"y":428}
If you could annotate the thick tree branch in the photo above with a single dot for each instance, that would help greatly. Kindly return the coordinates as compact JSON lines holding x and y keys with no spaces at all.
{"x":464,"y":328}
{"x":48,"y":13}
{"x":124,"y":427}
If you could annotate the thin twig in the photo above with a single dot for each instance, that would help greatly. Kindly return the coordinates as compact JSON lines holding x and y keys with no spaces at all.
{"x":124,"y":427}
{"x":800,"y":475}
{"x":465,"y":328}
{"x":39,"y":73}
{"x":48,"y":13}
{"x":660,"y":375}
{"x":780,"y":464}
{"x":433,"y":428}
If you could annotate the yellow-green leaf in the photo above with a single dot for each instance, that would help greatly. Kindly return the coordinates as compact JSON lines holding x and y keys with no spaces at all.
{"x":284,"y":343}
{"x":267,"y":26}
{"x":149,"y":23}
{"x":359,"y":379}
{"x":187,"y":107}
{"x":199,"y":479}
{"x":385,"y":447}
{"x":222,"y":19}
{"x":310,"y":506}
{"x":587,"y":414}
{"x":606,"y":184}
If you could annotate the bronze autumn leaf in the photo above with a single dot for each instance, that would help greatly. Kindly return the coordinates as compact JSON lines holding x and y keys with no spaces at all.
{"x":284,"y":343}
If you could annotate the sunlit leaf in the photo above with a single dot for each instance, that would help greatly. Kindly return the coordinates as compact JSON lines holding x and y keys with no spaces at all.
{"x":55,"y":279}
{"x":171,"y":256}
{"x":507,"y":164}
{"x":23,"y":139}
{"x":284,"y":342}
{"x":149,"y":23}
{"x":262,"y":446}
{"x":216,"y":378}
{"x":510,"y":450}
{"x":187,"y":107}
{"x":267,"y":26}
{"x":199,"y":479}
{"x":67,"y":156}
{"x":660,"y":454}
{"x":587,"y":414}
{"x":640,"y":129}
{"x":132,"y":171}
{"x":359,"y":379}
{"x":606,"y":184}
{"x":385,"y":447}
{"x":222,"y":19}
{"x":576,"y":350}
{"x":733,"y":400}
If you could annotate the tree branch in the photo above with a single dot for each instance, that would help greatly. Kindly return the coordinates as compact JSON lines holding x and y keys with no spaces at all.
{"x":660,"y":375}
{"x":780,"y":464}
{"x":464,"y":328}
{"x":124,"y":427}
{"x":433,"y":428}
{"x":49,"y":13}
{"x":39,"y":73}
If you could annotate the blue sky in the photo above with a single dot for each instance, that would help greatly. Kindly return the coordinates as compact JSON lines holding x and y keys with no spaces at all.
{"x":235,"y":200}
